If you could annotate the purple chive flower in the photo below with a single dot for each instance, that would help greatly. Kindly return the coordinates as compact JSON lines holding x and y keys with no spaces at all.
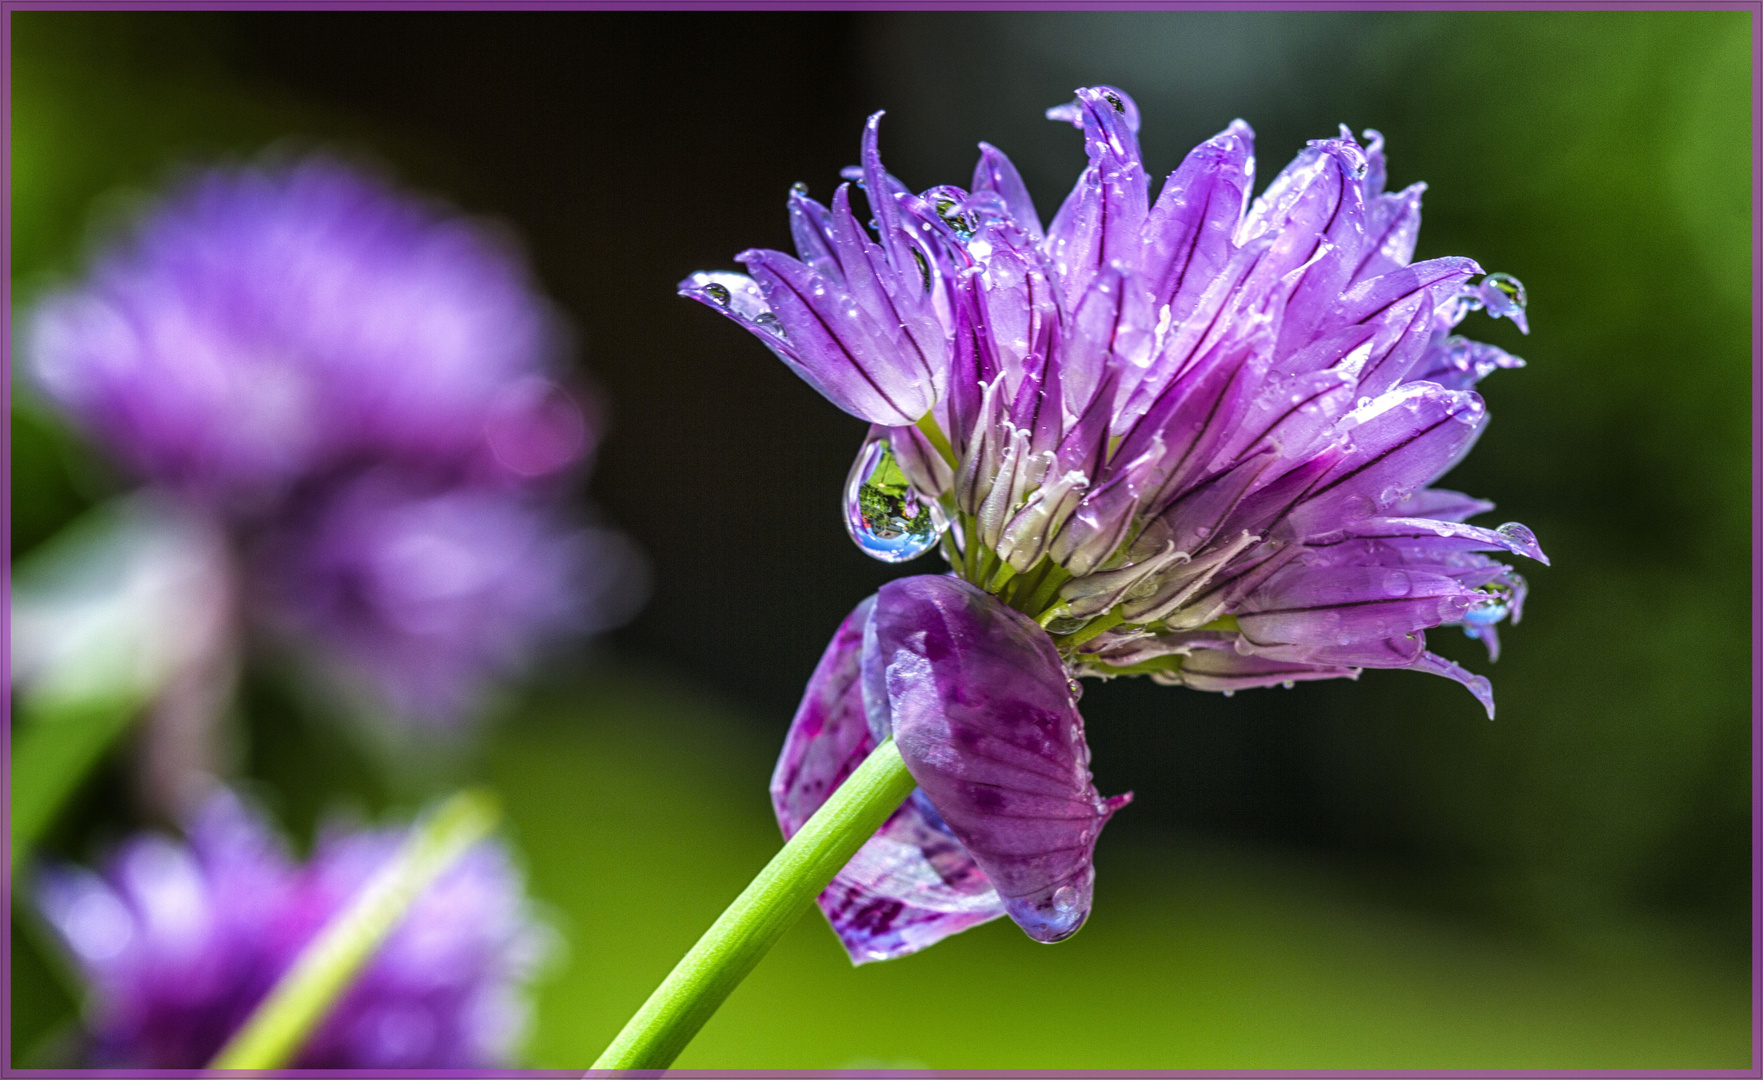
{"x":179,"y":942}
{"x":1191,"y":438}
{"x":263,"y":325}
{"x":365,"y":388}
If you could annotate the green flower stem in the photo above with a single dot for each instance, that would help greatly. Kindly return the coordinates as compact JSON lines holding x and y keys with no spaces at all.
{"x":1094,"y":628}
{"x":275,"y":1032}
{"x":737,"y":941}
{"x":57,"y":744}
{"x":940,"y":442}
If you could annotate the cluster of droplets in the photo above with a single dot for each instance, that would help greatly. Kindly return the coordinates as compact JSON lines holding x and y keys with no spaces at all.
{"x":888,"y":518}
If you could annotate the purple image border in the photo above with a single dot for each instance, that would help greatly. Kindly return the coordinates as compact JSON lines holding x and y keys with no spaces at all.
{"x":1755,"y":7}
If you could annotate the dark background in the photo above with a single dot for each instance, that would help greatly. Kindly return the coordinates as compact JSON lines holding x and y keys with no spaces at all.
{"x":1593,"y":842}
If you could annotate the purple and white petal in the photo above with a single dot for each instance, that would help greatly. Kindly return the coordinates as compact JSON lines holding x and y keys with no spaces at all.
{"x":985,"y":717}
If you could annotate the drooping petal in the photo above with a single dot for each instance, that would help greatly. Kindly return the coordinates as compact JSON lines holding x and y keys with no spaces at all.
{"x":910,"y":885}
{"x":1434,"y":664}
{"x":983,"y":713}
{"x":856,"y":361}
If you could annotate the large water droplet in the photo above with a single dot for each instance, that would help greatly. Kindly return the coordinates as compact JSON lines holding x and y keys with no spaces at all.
{"x":884,"y":514}
{"x":1065,"y":899}
{"x":1486,"y":612}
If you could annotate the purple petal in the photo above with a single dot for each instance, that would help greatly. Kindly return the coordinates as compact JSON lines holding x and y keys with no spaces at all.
{"x":1457,"y":363}
{"x":1322,"y":605}
{"x":995,"y":172}
{"x":1229,"y":671}
{"x":982,"y":711}
{"x":1441,"y":504}
{"x":1434,"y":664}
{"x":1103,"y":218}
{"x":1448,"y":536}
{"x":1188,"y":232}
{"x":1392,"y":227}
{"x":837,"y":347}
{"x":1396,"y":445}
{"x":910,"y":885}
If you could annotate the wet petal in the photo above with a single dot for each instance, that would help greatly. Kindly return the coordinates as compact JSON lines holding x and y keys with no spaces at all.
{"x":1103,"y":218}
{"x":1228,"y":671}
{"x":983,"y":712}
{"x":828,"y":339}
{"x":995,"y":172}
{"x":1188,"y":231}
{"x":1434,"y":664}
{"x":1325,"y":605}
{"x":1396,"y":444}
{"x":912,"y":884}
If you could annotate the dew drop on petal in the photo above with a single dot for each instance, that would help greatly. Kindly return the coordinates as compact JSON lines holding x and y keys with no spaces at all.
{"x":1502,"y":294}
{"x":769,"y":321}
{"x":718,"y":293}
{"x":884,"y":514}
{"x":1065,"y":899}
{"x":800,"y":188}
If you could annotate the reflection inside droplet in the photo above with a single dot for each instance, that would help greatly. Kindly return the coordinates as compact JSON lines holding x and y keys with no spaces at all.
{"x":884,"y":514}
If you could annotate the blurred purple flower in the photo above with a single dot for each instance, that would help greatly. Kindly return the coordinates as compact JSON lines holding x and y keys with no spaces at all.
{"x":179,"y":942}
{"x":416,"y":594}
{"x":364,"y":387}
{"x":261,"y":326}
{"x":1189,"y":438}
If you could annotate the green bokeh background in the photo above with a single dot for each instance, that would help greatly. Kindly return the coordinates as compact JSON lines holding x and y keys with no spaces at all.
{"x":1355,"y":876}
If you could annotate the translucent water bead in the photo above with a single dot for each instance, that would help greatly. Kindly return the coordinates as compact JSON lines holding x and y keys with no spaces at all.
{"x":884,"y":514}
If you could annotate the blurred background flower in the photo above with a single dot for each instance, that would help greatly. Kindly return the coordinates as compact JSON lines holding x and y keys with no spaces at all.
{"x":181,"y":941}
{"x":1342,"y":875}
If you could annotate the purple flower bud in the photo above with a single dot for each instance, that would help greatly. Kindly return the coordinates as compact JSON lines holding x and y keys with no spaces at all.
{"x":178,"y":942}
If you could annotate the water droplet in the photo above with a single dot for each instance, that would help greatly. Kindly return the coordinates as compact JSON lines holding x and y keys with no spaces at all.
{"x":1065,"y":899}
{"x":718,"y":293}
{"x":800,"y":189}
{"x":1114,"y":100}
{"x":1076,"y":689}
{"x":1230,"y":693}
{"x":1288,"y":684}
{"x":923,"y":267}
{"x":1486,"y":612}
{"x":950,"y":213}
{"x":884,"y":514}
{"x":1502,"y":294}
{"x":769,"y":322}
{"x":1397,"y":583}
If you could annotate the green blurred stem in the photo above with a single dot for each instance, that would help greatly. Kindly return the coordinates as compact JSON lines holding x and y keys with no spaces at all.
{"x":737,"y":941}
{"x":58,"y":742}
{"x":275,"y":1032}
